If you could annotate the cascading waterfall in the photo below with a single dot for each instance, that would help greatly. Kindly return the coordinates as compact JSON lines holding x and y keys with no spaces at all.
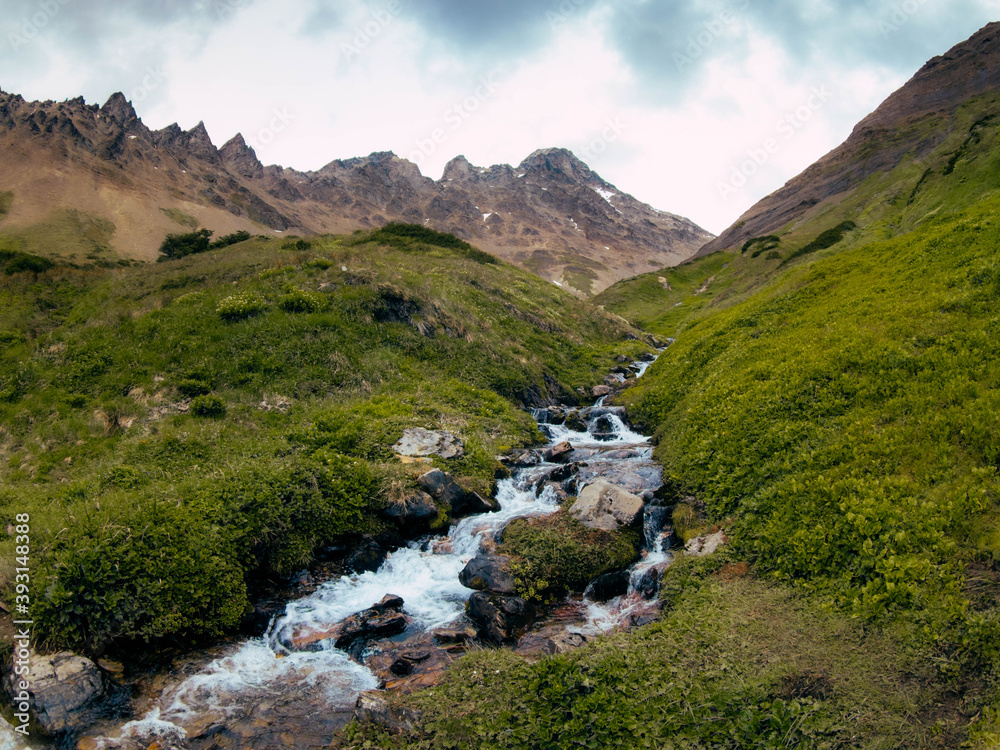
{"x":264,"y":692}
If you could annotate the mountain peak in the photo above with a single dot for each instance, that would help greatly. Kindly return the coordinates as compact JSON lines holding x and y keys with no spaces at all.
{"x":559,"y":162}
{"x":119,"y":109}
{"x":237,"y":155}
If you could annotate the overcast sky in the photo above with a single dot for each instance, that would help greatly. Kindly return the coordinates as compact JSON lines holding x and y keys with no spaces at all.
{"x":698,"y":107}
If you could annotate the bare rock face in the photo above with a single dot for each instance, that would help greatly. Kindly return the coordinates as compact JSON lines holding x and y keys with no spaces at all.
{"x":418,"y":441}
{"x":606,"y":506}
{"x":66,"y":691}
{"x":551,"y":214}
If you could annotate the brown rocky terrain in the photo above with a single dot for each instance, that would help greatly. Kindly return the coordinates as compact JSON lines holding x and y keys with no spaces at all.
{"x":551,"y":214}
{"x":911,"y":123}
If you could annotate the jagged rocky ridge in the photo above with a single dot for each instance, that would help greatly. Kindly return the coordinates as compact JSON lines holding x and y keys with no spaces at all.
{"x":551,"y":214}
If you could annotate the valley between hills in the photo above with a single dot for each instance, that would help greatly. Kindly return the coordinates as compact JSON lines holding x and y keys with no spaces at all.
{"x":752,"y":481}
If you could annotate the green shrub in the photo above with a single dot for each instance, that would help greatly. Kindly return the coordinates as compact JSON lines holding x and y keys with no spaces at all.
{"x":556,"y":553}
{"x":241,"y":306}
{"x":230,"y":239}
{"x":763,"y":244}
{"x":17,"y":262}
{"x":182,"y":245}
{"x":191,"y":388}
{"x":208,"y":406}
{"x":826,"y":239}
{"x":301,"y":301}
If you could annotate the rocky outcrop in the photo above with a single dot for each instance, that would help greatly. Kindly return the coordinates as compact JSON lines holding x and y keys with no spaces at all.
{"x":367,"y":557}
{"x":442,"y":487}
{"x":489,"y":573}
{"x":66,"y":692}
{"x":413,"y":512}
{"x":706,"y":544}
{"x":499,"y":620}
{"x":559,"y":453}
{"x":606,"y":506}
{"x":418,"y":441}
{"x":378,"y":707}
{"x":381,"y":620}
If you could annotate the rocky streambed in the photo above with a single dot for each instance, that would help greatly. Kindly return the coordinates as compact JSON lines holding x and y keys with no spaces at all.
{"x":332,"y":654}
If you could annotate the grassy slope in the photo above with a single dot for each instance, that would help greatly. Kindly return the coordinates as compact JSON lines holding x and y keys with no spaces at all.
{"x":841,"y":422}
{"x":960,"y":171}
{"x":148,"y":520}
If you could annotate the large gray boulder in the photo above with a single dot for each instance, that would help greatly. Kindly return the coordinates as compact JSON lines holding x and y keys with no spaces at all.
{"x":66,"y":691}
{"x":607,"y":507}
{"x":417,"y":441}
{"x":489,"y":573}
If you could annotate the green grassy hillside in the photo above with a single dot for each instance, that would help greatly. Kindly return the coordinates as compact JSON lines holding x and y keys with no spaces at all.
{"x":180,"y":430}
{"x":841,"y":424}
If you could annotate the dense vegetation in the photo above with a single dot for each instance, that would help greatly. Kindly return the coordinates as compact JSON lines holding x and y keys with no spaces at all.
{"x":181,"y":245}
{"x":838,"y":418}
{"x":182,"y":431}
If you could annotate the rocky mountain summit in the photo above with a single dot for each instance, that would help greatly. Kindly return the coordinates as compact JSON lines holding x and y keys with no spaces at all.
{"x":551,"y":214}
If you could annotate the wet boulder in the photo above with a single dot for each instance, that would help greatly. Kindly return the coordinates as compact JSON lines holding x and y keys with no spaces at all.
{"x":600,"y":390}
{"x":575,"y":422}
{"x":559,"y":453}
{"x":473,"y":503}
{"x":499,"y":620}
{"x":606,"y":587}
{"x":605,"y":506}
{"x":378,"y":707}
{"x":604,"y":428}
{"x":648,"y":585}
{"x":368,"y":557}
{"x":418,"y":441}
{"x":444,"y":489}
{"x":414,"y":511}
{"x":642,"y":478}
{"x":66,"y":693}
{"x":488,"y":573}
{"x":379,"y":621}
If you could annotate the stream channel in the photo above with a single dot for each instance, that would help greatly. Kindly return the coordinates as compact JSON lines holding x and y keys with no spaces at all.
{"x":292,"y":688}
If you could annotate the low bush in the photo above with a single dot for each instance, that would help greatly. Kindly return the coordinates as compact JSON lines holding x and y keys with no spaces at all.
{"x":181,"y":245}
{"x":556,"y":553}
{"x":241,"y":306}
{"x":208,"y":406}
